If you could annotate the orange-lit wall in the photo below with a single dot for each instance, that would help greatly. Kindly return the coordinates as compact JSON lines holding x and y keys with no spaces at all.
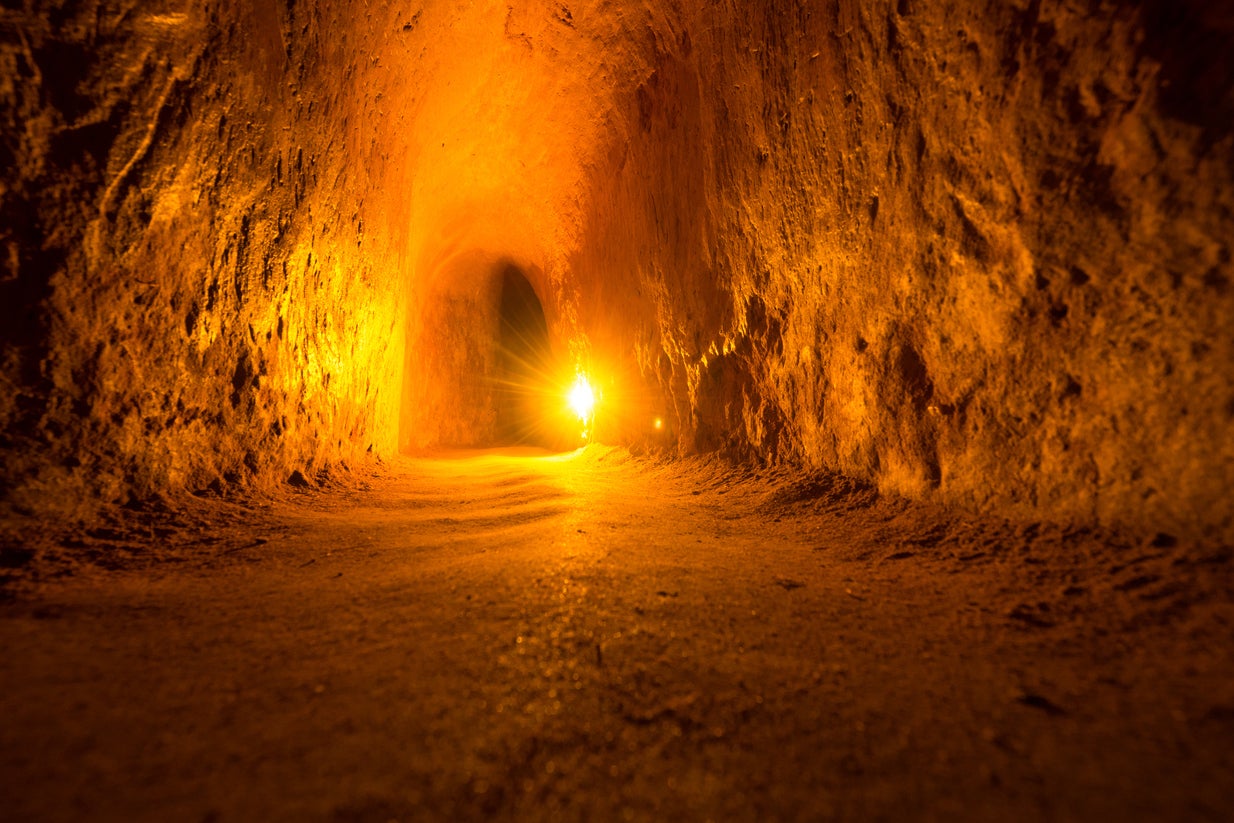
{"x":195,"y":196}
{"x":975,"y":254}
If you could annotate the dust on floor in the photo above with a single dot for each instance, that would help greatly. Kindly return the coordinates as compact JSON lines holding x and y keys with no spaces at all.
{"x":596,"y":636}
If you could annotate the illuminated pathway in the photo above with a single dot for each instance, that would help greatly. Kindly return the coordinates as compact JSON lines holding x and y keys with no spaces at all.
{"x":596,"y":637}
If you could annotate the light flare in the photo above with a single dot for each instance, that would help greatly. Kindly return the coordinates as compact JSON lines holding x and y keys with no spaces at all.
{"x":582,"y":398}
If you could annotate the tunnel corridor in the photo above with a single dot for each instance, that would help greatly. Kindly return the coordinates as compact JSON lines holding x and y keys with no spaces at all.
{"x":616,"y":410}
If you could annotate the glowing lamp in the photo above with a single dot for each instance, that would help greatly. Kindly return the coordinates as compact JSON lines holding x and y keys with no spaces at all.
{"x":582,"y":399}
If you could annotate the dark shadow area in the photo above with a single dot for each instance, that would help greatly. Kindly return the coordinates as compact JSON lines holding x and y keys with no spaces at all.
{"x":524,"y":370}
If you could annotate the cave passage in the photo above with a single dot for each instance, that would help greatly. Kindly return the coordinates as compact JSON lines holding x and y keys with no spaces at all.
{"x":616,"y":410}
{"x":526,"y":378}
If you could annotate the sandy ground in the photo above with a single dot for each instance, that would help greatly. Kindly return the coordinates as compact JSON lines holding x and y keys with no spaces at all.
{"x":594,"y":636}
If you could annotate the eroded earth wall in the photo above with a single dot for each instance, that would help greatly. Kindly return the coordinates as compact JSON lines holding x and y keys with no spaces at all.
{"x":975,"y":252}
{"x":972,"y":252}
{"x":196,"y":289}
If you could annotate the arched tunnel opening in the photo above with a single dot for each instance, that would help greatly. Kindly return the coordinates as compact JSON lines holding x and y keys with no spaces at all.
{"x":616,"y":409}
{"x":526,"y":374}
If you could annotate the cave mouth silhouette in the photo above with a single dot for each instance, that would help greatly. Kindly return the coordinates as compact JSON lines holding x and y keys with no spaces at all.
{"x":525,"y":377}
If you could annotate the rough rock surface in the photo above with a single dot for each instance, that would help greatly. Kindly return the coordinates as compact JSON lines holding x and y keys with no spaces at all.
{"x":192,"y":295}
{"x":975,"y":254}
{"x":981,"y":254}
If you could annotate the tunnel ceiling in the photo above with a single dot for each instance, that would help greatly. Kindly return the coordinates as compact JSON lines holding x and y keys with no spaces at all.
{"x":979,"y":255}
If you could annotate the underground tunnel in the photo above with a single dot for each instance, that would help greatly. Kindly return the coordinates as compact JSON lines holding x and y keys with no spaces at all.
{"x":616,"y":409}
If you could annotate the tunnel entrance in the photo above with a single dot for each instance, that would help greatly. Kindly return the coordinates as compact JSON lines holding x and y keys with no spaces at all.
{"x":524,"y":364}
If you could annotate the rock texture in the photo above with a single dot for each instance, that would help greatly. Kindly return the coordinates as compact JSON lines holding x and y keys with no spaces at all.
{"x":976,"y":254}
{"x":197,"y":290}
{"x":979,"y":255}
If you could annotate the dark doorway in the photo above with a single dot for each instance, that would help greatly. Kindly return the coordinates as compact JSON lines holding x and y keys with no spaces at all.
{"x":524,"y":361}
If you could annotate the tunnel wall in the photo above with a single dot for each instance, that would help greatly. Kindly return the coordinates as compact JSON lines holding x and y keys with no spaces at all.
{"x":974,"y":253}
{"x":198,"y":290}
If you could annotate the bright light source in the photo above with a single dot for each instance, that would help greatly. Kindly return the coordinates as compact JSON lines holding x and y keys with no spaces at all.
{"x":657,"y":424}
{"x":582,"y":398}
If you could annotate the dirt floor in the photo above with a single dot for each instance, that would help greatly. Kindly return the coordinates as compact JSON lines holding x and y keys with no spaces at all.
{"x":597,"y":636}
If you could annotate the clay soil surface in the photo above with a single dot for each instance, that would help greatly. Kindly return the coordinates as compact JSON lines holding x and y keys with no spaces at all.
{"x":597,"y":636}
